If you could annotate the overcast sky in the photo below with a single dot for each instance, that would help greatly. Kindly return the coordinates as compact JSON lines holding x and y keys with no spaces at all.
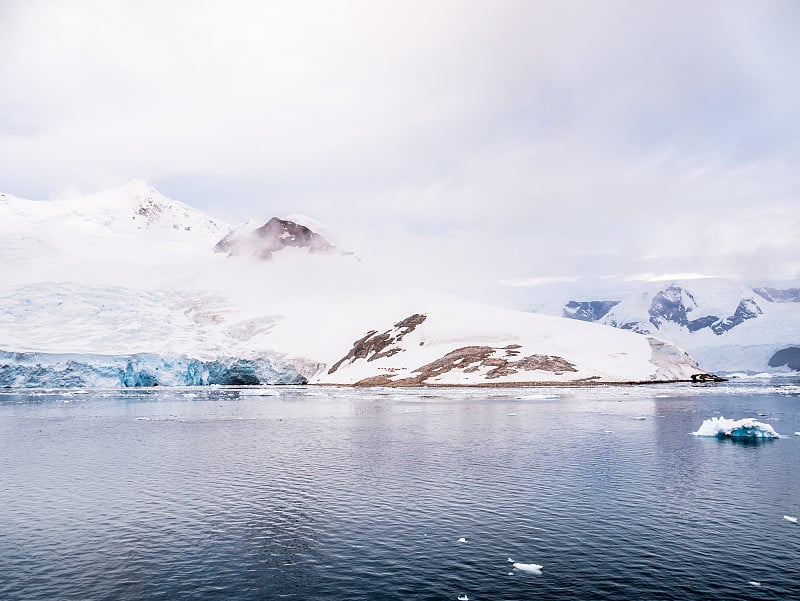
{"x":497,"y":139}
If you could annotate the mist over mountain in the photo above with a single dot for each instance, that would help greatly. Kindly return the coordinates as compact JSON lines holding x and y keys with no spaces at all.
{"x":131,"y":287}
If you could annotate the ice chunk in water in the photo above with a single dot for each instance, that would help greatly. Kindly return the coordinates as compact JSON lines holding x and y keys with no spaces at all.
{"x":743,"y":429}
{"x":533,"y":568}
{"x":790,"y":518}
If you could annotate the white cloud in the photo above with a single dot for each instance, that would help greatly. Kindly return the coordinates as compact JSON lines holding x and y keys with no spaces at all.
{"x":505,"y":139}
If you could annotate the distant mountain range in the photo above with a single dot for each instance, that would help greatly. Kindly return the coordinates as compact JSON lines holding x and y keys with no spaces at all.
{"x":130,"y":288}
{"x":726,"y":325}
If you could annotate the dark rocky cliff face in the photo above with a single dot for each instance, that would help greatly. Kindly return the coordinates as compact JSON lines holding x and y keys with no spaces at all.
{"x":671,"y":304}
{"x":747,"y":309}
{"x":275,"y":235}
{"x":588,"y":310}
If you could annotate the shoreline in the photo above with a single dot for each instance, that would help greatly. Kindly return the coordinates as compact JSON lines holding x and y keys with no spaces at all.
{"x":543,"y":384}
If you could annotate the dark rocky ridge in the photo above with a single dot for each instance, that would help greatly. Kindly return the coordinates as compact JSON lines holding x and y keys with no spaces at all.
{"x":375,"y":346}
{"x":673,"y":305}
{"x":588,"y":310}
{"x":746,"y":309}
{"x":275,"y":235}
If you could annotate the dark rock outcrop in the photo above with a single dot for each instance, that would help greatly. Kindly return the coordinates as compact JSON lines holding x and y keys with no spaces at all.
{"x":747,"y":309}
{"x":671,"y":305}
{"x":471,"y":359}
{"x":588,"y":310}
{"x":702,"y":378}
{"x":375,"y":346}
{"x":275,"y":235}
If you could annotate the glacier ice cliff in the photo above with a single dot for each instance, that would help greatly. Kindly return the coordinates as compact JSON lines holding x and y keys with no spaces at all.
{"x":51,"y":370}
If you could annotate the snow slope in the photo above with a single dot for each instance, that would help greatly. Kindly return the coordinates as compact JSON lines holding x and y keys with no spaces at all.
{"x":126,"y":287}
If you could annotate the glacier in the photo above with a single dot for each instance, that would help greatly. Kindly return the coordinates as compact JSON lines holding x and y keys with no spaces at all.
{"x":743,"y":429}
{"x":54,"y":370}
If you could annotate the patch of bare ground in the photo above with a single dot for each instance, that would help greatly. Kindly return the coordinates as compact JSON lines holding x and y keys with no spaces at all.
{"x":375,"y":346}
{"x":470,"y":359}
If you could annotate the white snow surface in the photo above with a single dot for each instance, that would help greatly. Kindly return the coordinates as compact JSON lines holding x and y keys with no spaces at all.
{"x":131,"y":271}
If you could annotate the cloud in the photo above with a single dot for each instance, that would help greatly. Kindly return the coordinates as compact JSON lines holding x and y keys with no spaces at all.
{"x":499,"y":140}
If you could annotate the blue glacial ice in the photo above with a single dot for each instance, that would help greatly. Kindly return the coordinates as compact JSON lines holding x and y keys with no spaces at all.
{"x":743,"y":429}
{"x":50,"y":370}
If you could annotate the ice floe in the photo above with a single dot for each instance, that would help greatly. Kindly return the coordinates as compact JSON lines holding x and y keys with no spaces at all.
{"x":532,"y":568}
{"x":790,"y":518}
{"x":743,"y":429}
{"x":462,"y":540}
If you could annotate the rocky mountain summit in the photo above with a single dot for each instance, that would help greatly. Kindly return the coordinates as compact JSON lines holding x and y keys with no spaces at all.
{"x":275,"y":235}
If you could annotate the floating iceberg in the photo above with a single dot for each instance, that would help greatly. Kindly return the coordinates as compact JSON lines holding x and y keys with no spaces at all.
{"x":743,"y":429}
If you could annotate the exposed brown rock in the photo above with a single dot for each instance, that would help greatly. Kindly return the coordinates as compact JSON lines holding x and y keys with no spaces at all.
{"x":376,"y":346}
{"x":470,"y":359}
{"x":274,"y":235}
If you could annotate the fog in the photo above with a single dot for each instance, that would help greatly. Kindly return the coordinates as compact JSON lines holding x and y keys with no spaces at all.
{"x":466,"y":143}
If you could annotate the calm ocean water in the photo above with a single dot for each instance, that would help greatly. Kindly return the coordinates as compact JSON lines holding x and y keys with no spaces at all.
{"x":308,"y":493}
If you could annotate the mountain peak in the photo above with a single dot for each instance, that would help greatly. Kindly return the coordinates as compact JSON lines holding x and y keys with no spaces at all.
{"x":274,"y":235}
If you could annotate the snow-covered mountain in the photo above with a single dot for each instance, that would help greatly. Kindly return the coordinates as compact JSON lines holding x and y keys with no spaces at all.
{"x":727,"y":326}
{"x":129,"y":288}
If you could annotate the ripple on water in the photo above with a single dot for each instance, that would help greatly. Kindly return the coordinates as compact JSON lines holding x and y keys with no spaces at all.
{"x":344,"y":494}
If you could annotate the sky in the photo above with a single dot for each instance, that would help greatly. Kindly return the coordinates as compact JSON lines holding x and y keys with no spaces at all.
{"x":484,"y":141}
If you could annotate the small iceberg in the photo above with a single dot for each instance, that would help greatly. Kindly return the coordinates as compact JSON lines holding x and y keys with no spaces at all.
{"x":790,"y":518}
{"x":532,"y":568}
{"x":462,"y":540}
{"x":743,"y":429}
{"x":463,"y":598}
{"x":754,"y":583}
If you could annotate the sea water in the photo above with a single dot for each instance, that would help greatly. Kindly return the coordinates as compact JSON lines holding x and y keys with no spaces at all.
{"x":336,"y":493}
